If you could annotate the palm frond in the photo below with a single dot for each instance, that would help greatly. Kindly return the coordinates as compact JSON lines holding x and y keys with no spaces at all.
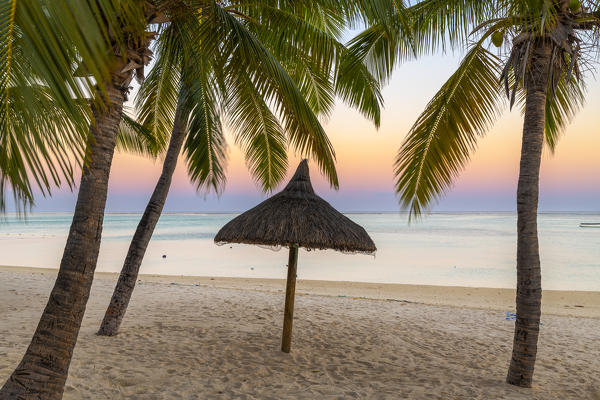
{"x":156,"y":100}
{"x":306,"y":135}
{"x":314,"y":83}
{"x":42,"y":43}
{"x":358,"y":88}
{"x":439,"y":25}
{"x":561,"y":107}
{"x":205,"y":147}
{"x":136,"y":138}
{"x":313,"y":34}
{"x":36,"y":85}
{"x":309,"y":51}
{"x":332,"y":16}
{"x":305,"y":49}
{"x":440,"y":142}
{"x":381,"y":12}
{"x":39,"y":141}
{"x":258,"y":131}
{"x":381,"y":48}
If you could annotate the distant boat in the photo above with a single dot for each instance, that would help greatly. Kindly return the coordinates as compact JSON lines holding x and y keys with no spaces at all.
{"x":589,"y":225}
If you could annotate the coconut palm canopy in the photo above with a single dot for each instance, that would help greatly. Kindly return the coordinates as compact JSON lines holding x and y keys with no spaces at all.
{"x":297,"y":216}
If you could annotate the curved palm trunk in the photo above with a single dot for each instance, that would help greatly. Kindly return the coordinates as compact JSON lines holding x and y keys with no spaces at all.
{"x":529,"y":285}
{"x":128,"y":277}
{"x":43,"y":370}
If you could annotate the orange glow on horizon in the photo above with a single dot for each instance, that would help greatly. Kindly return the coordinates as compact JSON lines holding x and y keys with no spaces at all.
{"x":365,"y":155}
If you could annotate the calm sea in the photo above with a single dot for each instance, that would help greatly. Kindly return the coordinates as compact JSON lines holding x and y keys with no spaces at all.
{"x":442,"y":249}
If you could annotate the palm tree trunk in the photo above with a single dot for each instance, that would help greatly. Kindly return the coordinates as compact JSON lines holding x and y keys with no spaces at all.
{"x":42,"y":372}
{"x":128,"y":277}
{"x":529,"y":285}
{"x":290,"y":293}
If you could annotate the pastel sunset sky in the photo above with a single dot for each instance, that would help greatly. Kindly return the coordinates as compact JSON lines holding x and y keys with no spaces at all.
{"x":570,"y":179}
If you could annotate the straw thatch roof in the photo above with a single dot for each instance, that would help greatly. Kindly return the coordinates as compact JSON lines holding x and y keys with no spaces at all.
{"x":296,"y":215}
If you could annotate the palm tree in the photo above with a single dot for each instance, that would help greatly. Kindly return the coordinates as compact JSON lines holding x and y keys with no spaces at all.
{"x":42,"y":42}
{"x":542,"y":48}
{"x":48,"y":38}
{"x":181,"y":88}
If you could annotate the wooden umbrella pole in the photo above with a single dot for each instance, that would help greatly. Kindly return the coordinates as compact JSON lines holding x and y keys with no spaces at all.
{"x":290,"y":292}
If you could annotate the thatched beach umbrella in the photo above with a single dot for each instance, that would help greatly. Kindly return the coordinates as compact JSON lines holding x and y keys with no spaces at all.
{"x":296,"y":217}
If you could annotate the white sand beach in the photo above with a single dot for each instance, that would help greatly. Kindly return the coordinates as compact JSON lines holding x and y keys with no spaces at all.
{"x":215,"y":338}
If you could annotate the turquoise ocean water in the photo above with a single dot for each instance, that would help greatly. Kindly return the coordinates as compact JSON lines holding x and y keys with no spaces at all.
{"x":469,"y":249}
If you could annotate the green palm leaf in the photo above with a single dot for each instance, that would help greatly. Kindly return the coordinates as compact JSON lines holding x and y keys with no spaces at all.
{"x":205,"y":147}
{"x":314,"y":83}
{"x":44,"y":155}
{"x":358,"y":88}
{"x":562,"y":104}
{"x":136,"y":138}
{"x":440,"y":142}
{"x":306,"y":49}
{"x":305,"y":133}
{"x":313,"y":31}
{"x":381,"y":48}
{"x":309,"y":50}
{"x":156,"y":100}
{"x":561,"y":107}
{"x":258,"y":132}
{"x":447,"y":24}
{"x":42,"y":43}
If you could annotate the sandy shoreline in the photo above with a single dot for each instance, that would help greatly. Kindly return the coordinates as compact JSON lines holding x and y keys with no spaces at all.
{"x":555,"y":302}
{"x":215,"y":338}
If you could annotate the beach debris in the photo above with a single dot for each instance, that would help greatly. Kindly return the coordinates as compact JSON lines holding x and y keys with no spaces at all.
{"x":164,"y":256}
{"x":296,"y":217}
{"x":511,"y":315}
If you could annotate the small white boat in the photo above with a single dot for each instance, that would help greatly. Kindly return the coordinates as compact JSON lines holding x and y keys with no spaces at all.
{"x":589,"y":225}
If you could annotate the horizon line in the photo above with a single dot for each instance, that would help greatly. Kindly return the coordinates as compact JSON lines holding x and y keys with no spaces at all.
{"x":342,"y":211}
